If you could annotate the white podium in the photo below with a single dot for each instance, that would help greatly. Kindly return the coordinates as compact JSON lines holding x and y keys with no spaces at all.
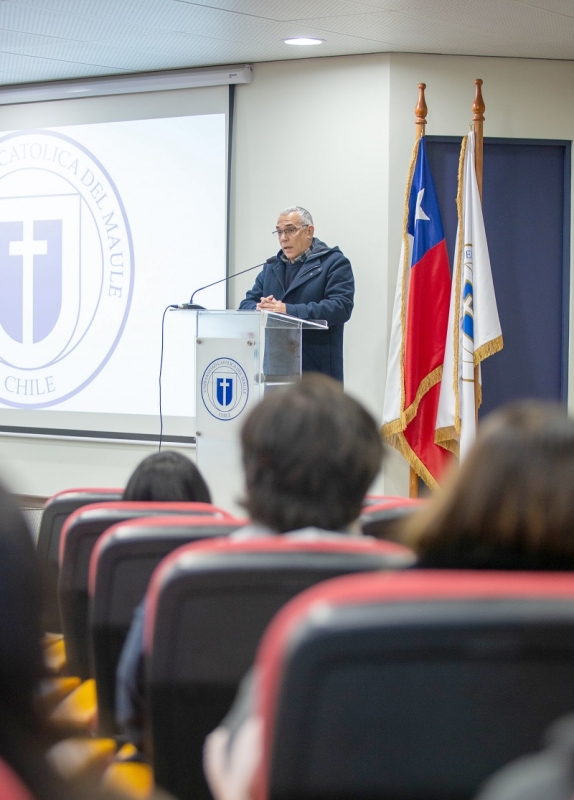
{"x":239,"y":355}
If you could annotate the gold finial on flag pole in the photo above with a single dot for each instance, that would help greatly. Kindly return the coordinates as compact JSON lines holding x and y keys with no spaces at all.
{"x":421,"y":112}
{"x":478,"y":109}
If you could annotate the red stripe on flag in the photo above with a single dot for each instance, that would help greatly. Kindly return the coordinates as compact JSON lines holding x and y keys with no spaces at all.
{"x":420,"y":435}
{"x":426,"y":320}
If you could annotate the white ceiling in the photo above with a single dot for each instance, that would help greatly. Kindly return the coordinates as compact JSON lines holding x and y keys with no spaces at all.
{"x":44,"y":40}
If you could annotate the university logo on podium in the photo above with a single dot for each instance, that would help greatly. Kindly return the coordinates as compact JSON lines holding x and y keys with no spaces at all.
{"x":224,"y":388}
{"x":66,"y":268}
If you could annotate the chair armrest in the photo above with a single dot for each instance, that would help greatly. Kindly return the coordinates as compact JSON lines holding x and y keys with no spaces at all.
{"x":131,"y":778}
{"x":51,"y":638}
{"x":126,"y":752}
{"x":82,"y":757}
{"x":55,"y":656}
{"x":79,"y":710}
{"x":52,"y":691}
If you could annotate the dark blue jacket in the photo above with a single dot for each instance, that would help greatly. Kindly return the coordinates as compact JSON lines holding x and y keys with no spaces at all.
{"x":323,"y":288}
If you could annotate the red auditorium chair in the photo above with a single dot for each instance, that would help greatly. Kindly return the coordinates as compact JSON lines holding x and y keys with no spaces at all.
{"x":121,"y":566}
{"x":207,"y":607}
{"x":412,"y":686}
{"x":79,"y":536}
{"x":377,"y":499}
{"x":11,"y":787}
{"x":57,"y":509}
{"x":379,"y":518}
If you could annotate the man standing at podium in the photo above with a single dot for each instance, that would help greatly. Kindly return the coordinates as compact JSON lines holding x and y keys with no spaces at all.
{"x":308,"y":280}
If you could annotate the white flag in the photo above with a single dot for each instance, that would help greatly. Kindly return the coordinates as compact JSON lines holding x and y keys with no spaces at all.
{"x":473,"y":331}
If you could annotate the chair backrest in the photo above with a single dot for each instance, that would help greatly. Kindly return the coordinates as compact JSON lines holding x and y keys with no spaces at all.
{"x":79,"y":535}
{"x":207,"y":607}
{"x":379,"y":499}
{"x":413,"y":685}
{"x":379,"y":519}
{"x":121,"y":566}
{"x":11,"y":787}
{"x":57,"y":509}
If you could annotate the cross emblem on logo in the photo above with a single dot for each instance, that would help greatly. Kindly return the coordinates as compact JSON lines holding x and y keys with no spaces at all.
{"x":31,"y":278}
{"x":27,"y":248}
{"x":224,"y":391}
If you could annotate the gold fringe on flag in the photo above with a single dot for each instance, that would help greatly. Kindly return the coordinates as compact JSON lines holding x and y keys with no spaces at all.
{"x":406,"y":266}
{"x":399,"y":442}
{"x":487,"y":349}
{"x":391,"y":429}
{"x":447,"y":437}
{"x":393,"y":432}
{"x":458,"y":279}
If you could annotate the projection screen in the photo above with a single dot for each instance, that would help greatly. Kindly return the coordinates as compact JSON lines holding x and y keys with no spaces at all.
{"x":111,"y":208}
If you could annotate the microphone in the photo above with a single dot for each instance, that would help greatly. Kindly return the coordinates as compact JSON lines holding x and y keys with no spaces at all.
{"x":195,"y":307}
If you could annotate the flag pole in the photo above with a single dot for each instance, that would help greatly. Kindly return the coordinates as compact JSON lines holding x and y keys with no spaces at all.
{"x":421,"y":112}
{"x":478,"y":109}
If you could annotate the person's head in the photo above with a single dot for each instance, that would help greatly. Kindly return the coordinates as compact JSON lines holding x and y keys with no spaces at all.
{"x":167,"y":476}
{"x":24,"y":732}
{"x":513,"y":493}
{"x":20,"y":650}
{"x":295,"y":231}
{"x":310,"y":453}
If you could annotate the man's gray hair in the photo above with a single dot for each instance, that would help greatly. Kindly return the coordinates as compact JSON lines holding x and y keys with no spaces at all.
{"x":303,"y":213}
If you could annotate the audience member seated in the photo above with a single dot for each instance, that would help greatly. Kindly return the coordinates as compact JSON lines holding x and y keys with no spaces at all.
{"x":511,"y":504}
{"x":161,"y":477}
{"x":24,"y":736}
{"x":167,"y":477}
{"x":310,"y":454}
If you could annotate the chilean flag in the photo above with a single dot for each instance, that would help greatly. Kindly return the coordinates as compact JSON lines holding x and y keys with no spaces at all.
{"x":419,"y":327}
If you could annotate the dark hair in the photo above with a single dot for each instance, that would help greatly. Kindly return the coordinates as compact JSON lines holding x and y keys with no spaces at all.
{"x":167,"y":476}
{"x":310,"y":452}
{"x":511,"y":504}
{"x":20,"y":601}
{"x":24,"y":734}
{"x":21,"y":730}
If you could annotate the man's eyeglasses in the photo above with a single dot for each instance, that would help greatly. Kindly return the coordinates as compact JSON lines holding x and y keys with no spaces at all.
{"x":278,"y":232}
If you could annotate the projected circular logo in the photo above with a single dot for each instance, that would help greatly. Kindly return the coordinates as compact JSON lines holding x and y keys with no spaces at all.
{"x":66,"y":268}
{"x":224,"y":388}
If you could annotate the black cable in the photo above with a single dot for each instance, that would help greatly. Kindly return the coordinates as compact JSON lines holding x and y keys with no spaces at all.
{"x":166,"y":309}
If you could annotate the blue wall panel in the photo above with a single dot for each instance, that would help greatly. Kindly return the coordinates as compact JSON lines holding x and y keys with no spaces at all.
{"x":527,"y":216}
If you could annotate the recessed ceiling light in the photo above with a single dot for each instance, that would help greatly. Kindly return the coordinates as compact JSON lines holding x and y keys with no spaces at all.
{"x":301,"y":40}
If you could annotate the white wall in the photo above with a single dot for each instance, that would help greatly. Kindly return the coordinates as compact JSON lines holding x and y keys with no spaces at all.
{"x":315,"y":133}
{"x":335,"y":135}
{"x":45,"y":466}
